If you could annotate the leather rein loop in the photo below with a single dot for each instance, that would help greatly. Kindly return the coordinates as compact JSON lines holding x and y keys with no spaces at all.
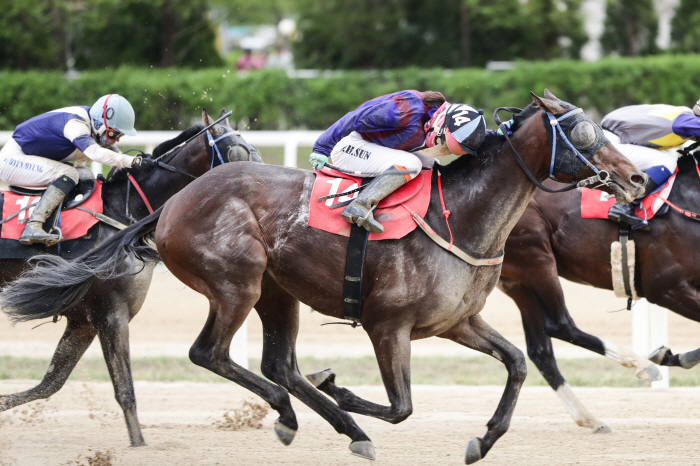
{"x":601,"y":176}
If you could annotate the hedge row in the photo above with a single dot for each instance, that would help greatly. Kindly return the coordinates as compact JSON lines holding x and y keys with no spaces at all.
{"x":173,"y":98}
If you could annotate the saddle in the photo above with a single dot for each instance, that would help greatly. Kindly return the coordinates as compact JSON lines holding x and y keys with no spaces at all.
{"x":77,"y":196}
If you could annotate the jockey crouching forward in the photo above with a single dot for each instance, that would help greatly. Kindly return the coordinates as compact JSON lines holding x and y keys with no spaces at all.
{"x":643,"y":133}
{"x":35,"y":156}
{"x":377,"y":138}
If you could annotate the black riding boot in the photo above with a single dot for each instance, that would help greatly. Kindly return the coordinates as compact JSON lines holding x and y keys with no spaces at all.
{"x":360,"y":209}
{"x":33,"y":231}
{"x":625,"y":213}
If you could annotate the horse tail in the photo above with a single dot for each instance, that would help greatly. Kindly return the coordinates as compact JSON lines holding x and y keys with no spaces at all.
{"x":54,"y":284}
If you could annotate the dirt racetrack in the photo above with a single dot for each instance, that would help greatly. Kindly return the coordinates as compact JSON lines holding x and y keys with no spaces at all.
{"x":82,"y":425}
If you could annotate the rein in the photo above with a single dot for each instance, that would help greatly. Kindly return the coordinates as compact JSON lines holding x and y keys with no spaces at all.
{"x":601,"y":176}
{"x":686,"y":213}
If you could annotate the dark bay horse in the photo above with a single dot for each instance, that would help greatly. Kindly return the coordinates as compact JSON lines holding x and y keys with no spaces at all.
{"x":107,"y":307}
{"x":252,"y":248}
{"x":551,"y":240}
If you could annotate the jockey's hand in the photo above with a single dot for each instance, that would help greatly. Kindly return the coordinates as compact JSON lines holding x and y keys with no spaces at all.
{"x":508,"y":124}
{"x":143,"y":164}
{"x":318,"y":160}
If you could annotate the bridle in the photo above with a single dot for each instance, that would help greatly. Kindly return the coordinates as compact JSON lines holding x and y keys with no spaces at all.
{"x":601,"y":177}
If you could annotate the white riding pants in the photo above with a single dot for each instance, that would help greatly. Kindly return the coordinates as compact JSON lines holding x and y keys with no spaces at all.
{"x":32,"y":171}
{"x":645,"y":157}
{"x":354,"y":154}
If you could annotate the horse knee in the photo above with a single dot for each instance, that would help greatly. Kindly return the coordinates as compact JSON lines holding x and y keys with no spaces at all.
{"x":200,"y":356}
{"x":127,"y":400}
{"x":401,"y":413}
{"x":518,"y":372}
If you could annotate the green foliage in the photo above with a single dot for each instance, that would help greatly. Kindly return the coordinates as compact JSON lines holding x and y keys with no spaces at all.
{"x":630,"y":28}
{"x":445,"y":33}
{"x":685,"y":34}
{"x":172,"y":98}
{"x":28,"y":34}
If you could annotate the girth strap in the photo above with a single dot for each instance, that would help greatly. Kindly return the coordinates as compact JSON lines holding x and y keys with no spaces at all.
{"x":354,"y":264}
{"x":625,"y":234}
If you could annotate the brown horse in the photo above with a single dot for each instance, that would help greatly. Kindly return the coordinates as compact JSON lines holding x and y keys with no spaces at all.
{"x":107,"y":307}
{"x":551,"y":240}
{"x":239,"y":236}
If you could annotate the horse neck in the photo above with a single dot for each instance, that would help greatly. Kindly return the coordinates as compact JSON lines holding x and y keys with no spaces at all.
{"x":158,"y":186}
{"x":488,"y":199}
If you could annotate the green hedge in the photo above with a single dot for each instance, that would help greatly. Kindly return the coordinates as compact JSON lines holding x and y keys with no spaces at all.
{"x":173,"y":98}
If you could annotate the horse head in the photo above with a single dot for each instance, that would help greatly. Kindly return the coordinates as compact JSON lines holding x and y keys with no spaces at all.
{"x":237,"y":149}
{"x":578,"y":149}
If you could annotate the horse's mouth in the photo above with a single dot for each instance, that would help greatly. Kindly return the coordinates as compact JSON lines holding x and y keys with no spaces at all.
{"x":621,"y":194}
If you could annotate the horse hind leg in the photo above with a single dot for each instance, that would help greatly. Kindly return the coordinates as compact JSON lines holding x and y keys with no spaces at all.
{"x":475,"y":333}
{"x":75,"y":341}
{"x":279,"y":313}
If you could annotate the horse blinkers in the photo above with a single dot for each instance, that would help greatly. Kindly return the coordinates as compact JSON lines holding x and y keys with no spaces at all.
{"x":574,"y":140}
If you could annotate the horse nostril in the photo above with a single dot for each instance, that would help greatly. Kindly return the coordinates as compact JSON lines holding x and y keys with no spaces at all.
{"x":637,"y":179}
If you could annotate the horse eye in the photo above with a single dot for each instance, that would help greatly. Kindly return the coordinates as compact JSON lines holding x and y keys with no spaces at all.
{"x":583,"y":135}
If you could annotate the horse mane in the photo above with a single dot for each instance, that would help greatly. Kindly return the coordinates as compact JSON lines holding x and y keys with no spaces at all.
{"x":121,"y":175}
{"x":686,"y":162}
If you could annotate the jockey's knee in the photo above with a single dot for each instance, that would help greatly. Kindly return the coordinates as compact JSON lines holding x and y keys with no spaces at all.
{"x":660,"y":174}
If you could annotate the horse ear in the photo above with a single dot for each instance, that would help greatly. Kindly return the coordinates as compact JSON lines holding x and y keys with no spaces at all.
{"x":549,"y":106}
{"x":223,"y":112}
{"x":550,"y":96}
{"x":206,"y":118}
{"x":215,"y":130}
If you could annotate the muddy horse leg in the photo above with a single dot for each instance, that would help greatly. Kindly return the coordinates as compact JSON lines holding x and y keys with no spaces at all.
{"x":475,"y":333}
{"x":392,"y":346}
{"x":279,"y":313}
{"x":681,"y":299}
{"x":539,"y":349}
{"x":75,"y":341}
{"x":113,"y":332}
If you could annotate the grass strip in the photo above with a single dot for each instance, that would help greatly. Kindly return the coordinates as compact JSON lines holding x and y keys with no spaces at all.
{"x":479,"y":370}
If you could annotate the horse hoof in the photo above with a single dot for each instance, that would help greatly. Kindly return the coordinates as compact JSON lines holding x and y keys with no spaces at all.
{"x":657,"y":356}
{"x":602,"y":429}
{"x":363,"y":449}
{"x":318,"y":378}
{"x":473,"y":453}
{"x":649,"y":373}
{"x":283,"y":433}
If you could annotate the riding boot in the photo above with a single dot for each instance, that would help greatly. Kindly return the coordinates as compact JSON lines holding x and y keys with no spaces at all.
{"x":360,"y":209}
{"x":625,"y":213}
{"x":33,"y":231}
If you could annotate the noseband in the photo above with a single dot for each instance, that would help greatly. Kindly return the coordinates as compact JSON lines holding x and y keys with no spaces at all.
{"x":558,"y":162}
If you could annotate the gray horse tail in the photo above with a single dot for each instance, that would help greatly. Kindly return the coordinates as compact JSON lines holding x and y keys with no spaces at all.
{"x":55,"y":285}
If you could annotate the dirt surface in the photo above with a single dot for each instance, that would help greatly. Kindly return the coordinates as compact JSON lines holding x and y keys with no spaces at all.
{"x":173,"y":315}
{"x":182,"y":427}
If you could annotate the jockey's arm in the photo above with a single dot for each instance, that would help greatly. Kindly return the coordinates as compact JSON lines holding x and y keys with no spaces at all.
{"x":78,"y":132}
{"x":687,"y":126}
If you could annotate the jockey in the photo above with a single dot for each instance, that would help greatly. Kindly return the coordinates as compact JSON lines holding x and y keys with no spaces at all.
{"x":377,"y":138}
{"x":643,"y":133}
{"x":35,"y":156}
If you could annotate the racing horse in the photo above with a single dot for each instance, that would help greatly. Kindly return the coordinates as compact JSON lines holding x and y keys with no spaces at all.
{"x":253,"y":248}
{"x":551,"y":240}
{"x":107,"y":307}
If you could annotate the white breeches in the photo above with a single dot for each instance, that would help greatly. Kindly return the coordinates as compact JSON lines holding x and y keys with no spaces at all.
{"x":20,"y":169}
{"x":645,"y":157}
{"x":353,"y":153}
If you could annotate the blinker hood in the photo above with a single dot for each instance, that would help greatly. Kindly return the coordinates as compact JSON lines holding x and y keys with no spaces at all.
{"x":580,"y":134}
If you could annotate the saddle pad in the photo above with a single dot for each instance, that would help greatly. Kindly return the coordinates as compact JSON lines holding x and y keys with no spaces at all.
{"x":73,"y":223}
{"x":654,"y":201}
{"x":390,"y":213}
{"x":595,"y":204}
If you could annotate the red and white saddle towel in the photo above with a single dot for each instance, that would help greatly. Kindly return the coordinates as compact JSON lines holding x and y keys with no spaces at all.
{"x":73,"y":223}
{"x":596,"y":204}
{"x":397,"y":221}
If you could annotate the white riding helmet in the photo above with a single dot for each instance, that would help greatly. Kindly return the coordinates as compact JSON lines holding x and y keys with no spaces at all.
{"x":115,"y":113}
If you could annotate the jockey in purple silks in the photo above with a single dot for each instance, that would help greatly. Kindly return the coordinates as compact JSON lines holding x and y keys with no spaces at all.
{"x":379,"y":136}
{"x":35,"y":156}
{"x":643,"y":133}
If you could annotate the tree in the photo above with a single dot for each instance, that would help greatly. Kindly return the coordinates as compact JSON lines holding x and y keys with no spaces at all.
{"x":685,"y":35}
{"x":29,"y":37}
{"x":630,"y":28}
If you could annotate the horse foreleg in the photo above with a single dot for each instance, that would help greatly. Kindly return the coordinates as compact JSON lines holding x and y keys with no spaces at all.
{"x":393,"y":350}
{"x":113,"y":331}
{"x":279,"y":313}
{"x":539,"y":349}
{"x":475,"y":333}
{"x":75,"y":341}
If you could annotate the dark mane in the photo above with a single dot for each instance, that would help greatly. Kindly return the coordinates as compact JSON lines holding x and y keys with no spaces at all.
{"x":686,"y":162}
{"x":121,"y":175}
{"x":164,"y":147}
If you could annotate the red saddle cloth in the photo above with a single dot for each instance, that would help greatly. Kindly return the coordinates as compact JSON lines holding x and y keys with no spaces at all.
{"x":390,"y":212}
{"x":73,"y":223}
{"x":595,"y":204}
